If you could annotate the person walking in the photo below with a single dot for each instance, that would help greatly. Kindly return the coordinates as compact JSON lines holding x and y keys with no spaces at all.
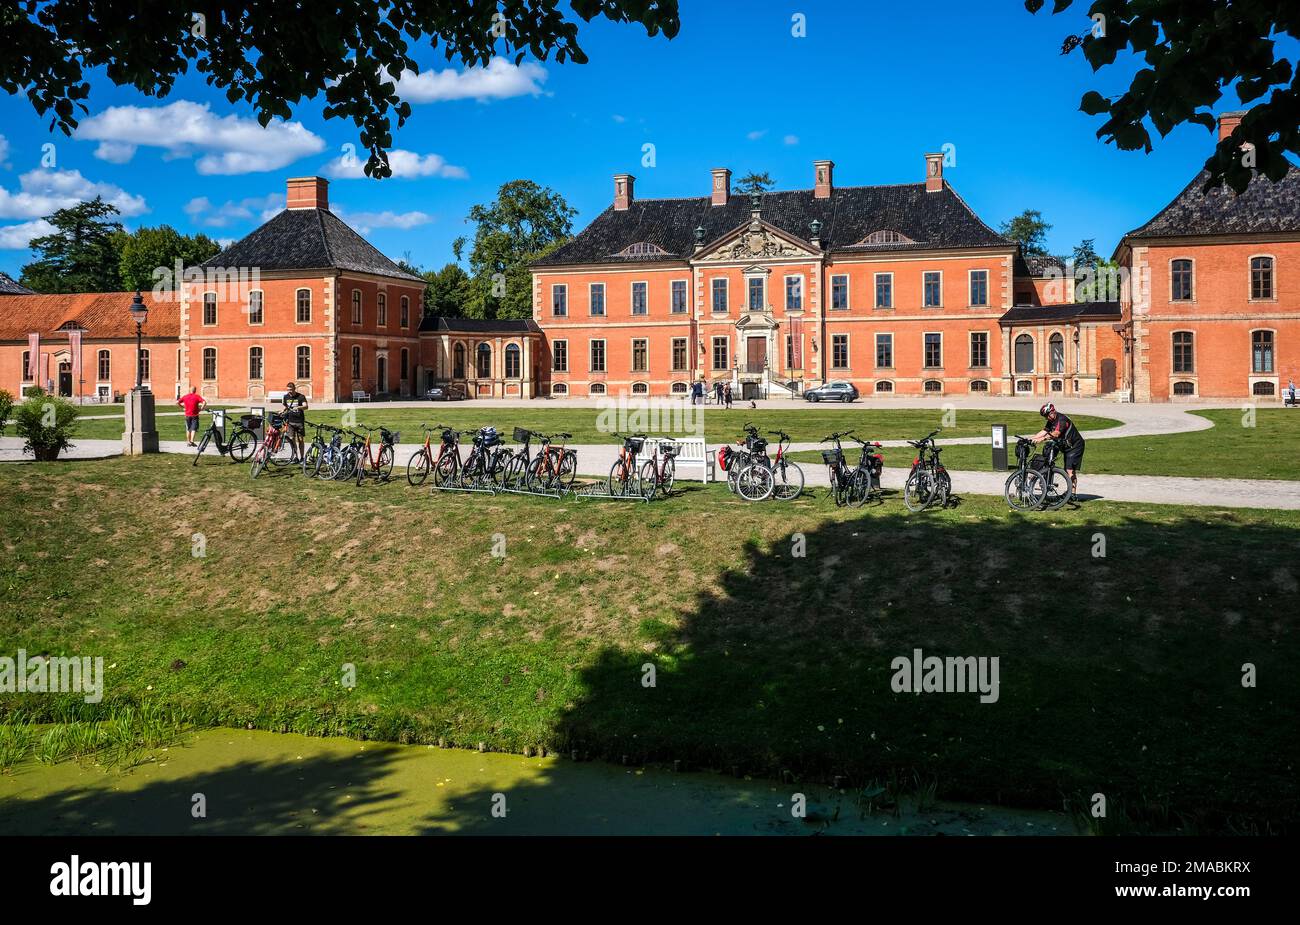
{"x":727,"y":395}
{"x":717,"y":392}
{"x":191,"y":403}
{"x":697,"y":392}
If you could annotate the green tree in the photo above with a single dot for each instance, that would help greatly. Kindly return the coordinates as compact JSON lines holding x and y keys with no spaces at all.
{"x":81,"y":255}
{"x":516,"y":228}
{"x":1085,"y":254}
{"x":1029,"y":230}
{"x":145,"y":250}
{"x":1192,"y":53}
{"x":274,"y":55}
{"x":754,"y":183}
{"x":445,"y":295}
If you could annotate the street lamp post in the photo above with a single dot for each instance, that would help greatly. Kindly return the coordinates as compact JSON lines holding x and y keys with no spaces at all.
{"x":139,"y":314}
{"x":140,"y":435}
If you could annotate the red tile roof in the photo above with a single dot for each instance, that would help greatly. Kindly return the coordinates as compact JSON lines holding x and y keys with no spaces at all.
{"x":101,"y":314}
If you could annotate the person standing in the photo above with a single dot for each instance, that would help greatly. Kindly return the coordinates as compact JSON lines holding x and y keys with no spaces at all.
{"x":726,"y":395}
{"x":191,"y":403}
{"x":717,"y":392}
{"x":1290,"y":388}
{"x":295,"y":417}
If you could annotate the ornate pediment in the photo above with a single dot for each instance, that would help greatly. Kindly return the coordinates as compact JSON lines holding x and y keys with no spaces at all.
{"x":755,"y":241}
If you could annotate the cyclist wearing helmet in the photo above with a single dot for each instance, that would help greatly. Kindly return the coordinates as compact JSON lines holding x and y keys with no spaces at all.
{"x":1060,"y":427}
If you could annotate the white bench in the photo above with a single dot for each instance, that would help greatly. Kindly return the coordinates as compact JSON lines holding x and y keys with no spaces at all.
{"x":276,"y":396}
{"x":691,"y":451}
{"x":359,"y":395}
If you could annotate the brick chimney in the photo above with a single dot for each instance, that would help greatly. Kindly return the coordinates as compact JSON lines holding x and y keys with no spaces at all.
{"x":721,"y":186}
{"x":1229,"y":121}
{"x":307,"y":193}
{"x":933,"y":173}
{"x":623,"y":183}
{"x":823,"y":176}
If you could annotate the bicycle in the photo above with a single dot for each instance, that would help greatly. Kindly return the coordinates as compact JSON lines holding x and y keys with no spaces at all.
{"x":478,"y":467}
{"x":735,"y":461}
{"x":380,"y":464}
{"x":860,"y":484}
{"x":1026,"y":488}
{"x":553,"y":467}
{"x":624,"y":472}
{"x":422,"y":461}
{"x":1060,"y":487}
{"x":514,"y":474}
{"x":928,"y":483}
{"x":242,"y":439}
{"x":275,"y":450}
{"x":657,"y":477}
{"x":314,"y":451}
{"x":446,"y":467}
{"x":787,"y":476}
{"x":329,"y":459}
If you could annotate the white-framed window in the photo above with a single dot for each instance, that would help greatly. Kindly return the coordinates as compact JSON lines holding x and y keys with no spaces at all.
{"x":680,"y":353}
{"x":719,"y":290}
{"x":933,"y":344}
{"x":356,"y":306}
{"x":1261,"y":351}
{"x":559,"y":388}
{"x":209,"y":363}
{"x":979,"y":288}
{"x":256,"y":365}
{"x":483,"y":361}
{"x":640,"y":355}
{"x":1262,"y":283}
{"x":1184,"y":358}
{"x":840,"y":292}
{"x":560,"y":300}
{"x":839,"y":351}
{"x":302,"y":299}
{"x":640,"y":298}
{"x":640,"y":388}
{"x":1056,"y":353}
{"x":932,"y":288}
{"x":679,"y":297}
{"x":596,"y":298}
{"x":209,"y":309}
{"x":721,"y":352}
{"x":884,"y":290}
{"x":381,"y":309}
{"x":302,"y":363}
{"x":597,"y":356}
{"x":1024,"y":350}
{"x":979,"y":385}
{"x":933,"y":385}
{"x":256,"y":307}
{"x":514,"y":361}
{"x":679,"y":388}
{"x":884,"y":385}
{"x":560,"y":356}
{"x":146,"y":366}
{"x":596,"y":388}
{"x":1182,"y":279}
{"x":979,"y":349}
{"x":103,"y":365}
{"x":884,"y":351}
{"x":794,"y":293}
{"x":756,"y":289}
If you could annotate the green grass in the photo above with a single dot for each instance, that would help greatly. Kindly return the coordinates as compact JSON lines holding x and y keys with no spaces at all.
{"x":1119,"y":674}
{"x":1268,"y":450}
{"x":589,"y":426}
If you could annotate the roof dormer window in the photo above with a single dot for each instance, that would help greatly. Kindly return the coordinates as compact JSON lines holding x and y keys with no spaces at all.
{"x":642,"y":249}
{"x":885,"y":236}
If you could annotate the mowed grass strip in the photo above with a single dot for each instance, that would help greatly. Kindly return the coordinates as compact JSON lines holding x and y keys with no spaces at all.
{"x":1239,"y":446}
{"x":594,"y":425}
{"x":1119,"y":674}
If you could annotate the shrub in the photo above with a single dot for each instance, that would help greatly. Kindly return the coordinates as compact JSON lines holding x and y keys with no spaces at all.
{"x":47,"y":423}
{"x":6,"y":409}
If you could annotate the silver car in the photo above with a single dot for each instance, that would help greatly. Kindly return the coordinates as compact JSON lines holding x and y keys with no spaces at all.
{"x":835,"y":390}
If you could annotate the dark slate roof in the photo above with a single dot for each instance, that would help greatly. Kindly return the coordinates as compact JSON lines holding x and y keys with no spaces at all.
{"x":1056,"y":314}
{"x":1039,"y":265}
{"x":1263,"y":207}
{"x":931,"y":220}
{"x":9,"y":287}
{"x":308,"y":239}
{"x":503,"y":326}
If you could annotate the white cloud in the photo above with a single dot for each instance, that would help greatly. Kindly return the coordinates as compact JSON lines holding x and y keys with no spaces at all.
{"x":404,"y":164}
{"x":364,"y":222}
{"x":4,"y":152}
{"x":43,"y":191}
{"x":499,"y":80}
{"x":755,"y":135}
{"x":259,"y":208}
{"x":225,"y":144}
{"x":619,"y":119}
{"x":17,"y":237}
{"x":791,"y":139}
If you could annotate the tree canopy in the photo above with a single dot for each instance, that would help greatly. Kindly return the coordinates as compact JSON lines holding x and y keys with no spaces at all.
{"x":1193,"y":52}
{"x":1029,"y":230}
{"x":754,"y":183}
{"x":145,"y":250}
{"x":275,"y":55}
{"x":81,"y":254}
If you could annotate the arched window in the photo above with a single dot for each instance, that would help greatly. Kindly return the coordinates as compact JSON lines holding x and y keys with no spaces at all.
{"x":597,"y":388}
{"x":28,"y":371}
{"x":381,"y":309}
{"x":381,"y":373}
{"x":1057,"y":385}
{"x":209,"y":363}
{"x":513,"y":361}
{"x":256,"y":314}
{"x":254,"y":362}
{"x":1261,"y":277}
{"x":1180,"y":280}
{"x":884,"y":386}
{"x":1261,"y":351}
{"x":1184,"y":388}
{"x":356,"y":362}
{"x":458,"y":362}
{"x":304,"y":362}
{"x":104,"y":365}
{"x":1184,"y":356}
{"x":1024,"y":385}
{"x":559,"y":388}
{"x":483,"y":361}
{"x":979,"y":385}
{"x":1056,"y":353}
{"x":304,"y":306}
{"x":405,"y":312}
{"x":933,"y":385}
{"x":209,"y":308}
{"x":679,"y":388}
{"x":356,"y":306}
{"x":640,"y":388}
{"x":1024,"y":354}
{"x":1262,"y":388}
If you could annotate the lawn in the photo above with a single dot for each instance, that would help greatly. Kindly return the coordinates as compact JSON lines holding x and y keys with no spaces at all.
{"x":591,"y":425}
{"x":1119,"y":674}
{"x":1268,"y":450}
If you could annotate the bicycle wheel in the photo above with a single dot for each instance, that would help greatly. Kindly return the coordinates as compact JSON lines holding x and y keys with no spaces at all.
{"x":469,"y":473}
{"x":311,"y":460}
{"x":418,"y":466}
{"x":754,"y":483}
{"x":347,"y":463}
{"x":620,"y":479}
{"x":330,"y":463}
{"x":282,"y":453}
{"x":840,"y":481}
{"x":385,"y":466}
{"x":918,"y":493}
{"x":242,"y":444}
{"x":446,"y":469}
{"x":512,"y":476}
{"x":942,"y":489}
{"x":649,"y":480}
{"x":738,"y":462}
{"x":788,"y":481}
{"x":259,"y":462}
{"x":1059,"y":489}
{"x":569,"y":470}
{"x":1025,"y":491}
{"x":203,"y":445}
{"x":859,"y":491}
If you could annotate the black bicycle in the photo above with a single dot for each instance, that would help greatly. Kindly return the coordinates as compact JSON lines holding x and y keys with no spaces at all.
{"x":928,"y":484}
{"x":1026,"y":488}
{"x":243,"y":439}
{"x":860,"y":484}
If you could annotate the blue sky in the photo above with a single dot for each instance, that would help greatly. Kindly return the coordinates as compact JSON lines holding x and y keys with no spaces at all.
{"x":871,"y":86}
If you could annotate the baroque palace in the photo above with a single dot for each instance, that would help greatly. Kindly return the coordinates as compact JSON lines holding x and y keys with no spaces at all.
{"x":900,"y":289}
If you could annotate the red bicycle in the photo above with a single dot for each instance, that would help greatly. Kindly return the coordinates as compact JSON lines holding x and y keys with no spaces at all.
{"x":275,"y":449}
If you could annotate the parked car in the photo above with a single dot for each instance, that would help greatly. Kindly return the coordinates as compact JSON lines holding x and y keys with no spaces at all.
{"x":835,"y":390}
{"x":445,"y":392}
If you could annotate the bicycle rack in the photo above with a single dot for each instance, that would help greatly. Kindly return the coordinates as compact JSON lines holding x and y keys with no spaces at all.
{"x":480,"y":485}
{"x":600,"y":490}
{"x":556,"y":493}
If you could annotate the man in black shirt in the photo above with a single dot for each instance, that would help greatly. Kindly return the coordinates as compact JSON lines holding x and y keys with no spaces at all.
{"x":295,"y":416}
{"x":1059,"y":427}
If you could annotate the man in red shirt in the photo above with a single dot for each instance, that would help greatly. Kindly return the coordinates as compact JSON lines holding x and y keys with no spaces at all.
{"x":192,"y":403}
